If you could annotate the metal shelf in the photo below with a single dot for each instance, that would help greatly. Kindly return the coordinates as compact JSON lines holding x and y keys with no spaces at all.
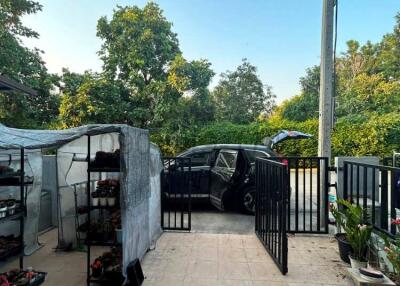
{"x":10,"y":175}
{"x":102,"y":243}
{"x":93,"y":169}
{"x":15,"y":216}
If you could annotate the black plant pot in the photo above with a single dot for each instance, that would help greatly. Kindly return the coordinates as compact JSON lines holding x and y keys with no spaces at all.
{"x":344,"y":247}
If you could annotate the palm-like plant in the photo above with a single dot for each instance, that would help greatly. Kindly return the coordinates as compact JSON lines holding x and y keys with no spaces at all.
{"x":353,"y":220}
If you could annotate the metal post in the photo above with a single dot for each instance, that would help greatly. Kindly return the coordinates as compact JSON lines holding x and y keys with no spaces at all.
{"x":24,"y":209}
{"x":326,"y":90}
{"x":326,"y":80}
{"x":89,"y":210}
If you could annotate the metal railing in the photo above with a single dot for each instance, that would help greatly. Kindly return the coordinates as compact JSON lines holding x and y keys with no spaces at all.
{"x":271,"y":209}
{"x":374,"y":187}
{"x":308,"y":184}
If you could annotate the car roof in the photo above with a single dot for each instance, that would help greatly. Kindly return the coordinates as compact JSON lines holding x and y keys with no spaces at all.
{"x":226,"y":146}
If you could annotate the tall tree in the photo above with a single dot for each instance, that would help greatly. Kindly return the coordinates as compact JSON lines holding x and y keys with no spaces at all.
{"x":26,"y":66}
{"x":241,"y":96}
{"x":138,"y":47}
{"x":305,"y":105}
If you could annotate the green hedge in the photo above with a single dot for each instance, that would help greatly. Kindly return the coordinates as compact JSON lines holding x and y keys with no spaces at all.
{"x":359,"y":135}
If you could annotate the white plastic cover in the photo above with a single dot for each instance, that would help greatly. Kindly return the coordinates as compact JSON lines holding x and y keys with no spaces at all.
{"x":140,"y":226}
{"x":33,"y":168}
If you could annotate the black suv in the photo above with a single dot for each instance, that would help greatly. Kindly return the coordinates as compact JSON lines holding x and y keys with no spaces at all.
{"x":225,"y":173}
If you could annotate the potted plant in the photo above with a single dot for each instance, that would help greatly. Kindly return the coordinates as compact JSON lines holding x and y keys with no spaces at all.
{"x":396,"y":222}
{"x":111,"y":198}
{"x":116,"y":222}
{"x":103,"y":198}
{"x":97,"y":268}
{"x":95,"y":199}
{"x":357,"y":233}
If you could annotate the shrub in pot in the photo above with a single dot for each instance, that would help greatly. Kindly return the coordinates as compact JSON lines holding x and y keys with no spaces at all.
{"x":352,"y":219}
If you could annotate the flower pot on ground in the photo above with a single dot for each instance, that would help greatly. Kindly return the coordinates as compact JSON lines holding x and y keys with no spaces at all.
{"x":344,"y":247}
{"x":352,"y":220}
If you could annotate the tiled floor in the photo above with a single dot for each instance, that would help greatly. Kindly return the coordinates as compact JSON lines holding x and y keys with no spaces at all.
{"x":231,"y":259}
{"x":204,"y":259}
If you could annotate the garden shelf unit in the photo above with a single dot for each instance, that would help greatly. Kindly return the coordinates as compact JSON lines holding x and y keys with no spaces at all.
{"x":16,"y":179}
{"x":89,"y":243}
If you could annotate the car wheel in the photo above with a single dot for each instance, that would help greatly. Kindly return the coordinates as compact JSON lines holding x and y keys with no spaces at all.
{"x":248,"y":200}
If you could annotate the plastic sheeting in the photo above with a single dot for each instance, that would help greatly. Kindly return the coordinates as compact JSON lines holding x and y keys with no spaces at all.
{"x":140,"y":193}
{"x":33,"y":168}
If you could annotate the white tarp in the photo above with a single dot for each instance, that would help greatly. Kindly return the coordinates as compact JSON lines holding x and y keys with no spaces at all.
{"x":134,"y":145}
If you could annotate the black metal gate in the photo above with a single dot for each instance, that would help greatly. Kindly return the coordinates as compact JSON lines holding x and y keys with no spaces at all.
{"x":308,"y":184}
{"x":271,"y":209}
{"x":176,"y":194}
{"x":292,"y":197}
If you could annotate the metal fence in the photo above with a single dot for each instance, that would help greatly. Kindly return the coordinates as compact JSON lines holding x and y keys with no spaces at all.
{"x":271,"y":209}
{"x":374,"y":187}
{"x":308,"y":184}
{"x":176,"y":194}
{"x":393,"y":161}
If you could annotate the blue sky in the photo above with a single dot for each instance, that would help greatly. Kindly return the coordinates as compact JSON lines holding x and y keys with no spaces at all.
{"x":280,"y":37}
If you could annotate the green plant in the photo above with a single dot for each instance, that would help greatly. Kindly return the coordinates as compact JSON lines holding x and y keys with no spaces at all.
{"x":392,"y":248}
{"x":353,"y":219}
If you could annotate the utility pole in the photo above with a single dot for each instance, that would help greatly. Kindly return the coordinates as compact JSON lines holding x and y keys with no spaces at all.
{"x":326,"y":98}
{"x":326,"y":80}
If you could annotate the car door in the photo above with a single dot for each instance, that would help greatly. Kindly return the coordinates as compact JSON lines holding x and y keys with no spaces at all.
{"x":200,"y":174}
{"x":222,"y":175}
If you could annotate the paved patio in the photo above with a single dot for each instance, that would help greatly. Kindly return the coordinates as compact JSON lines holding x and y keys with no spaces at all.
{"x":204,"y":259}
{"x":232,"y":259}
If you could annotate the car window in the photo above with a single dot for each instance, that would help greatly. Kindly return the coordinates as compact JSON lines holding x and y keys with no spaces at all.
{"x":226,"y":159}
{"x":253,"y":154}
{"x":200,"y":159}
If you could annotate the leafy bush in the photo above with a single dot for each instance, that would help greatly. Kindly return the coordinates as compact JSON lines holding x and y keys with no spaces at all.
{"x":355,"y":135}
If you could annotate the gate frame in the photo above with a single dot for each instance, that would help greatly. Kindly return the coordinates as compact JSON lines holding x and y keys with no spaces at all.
{"x":184,"y":170}
{"x":323,"y":182}
{"x":269,"y":242}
